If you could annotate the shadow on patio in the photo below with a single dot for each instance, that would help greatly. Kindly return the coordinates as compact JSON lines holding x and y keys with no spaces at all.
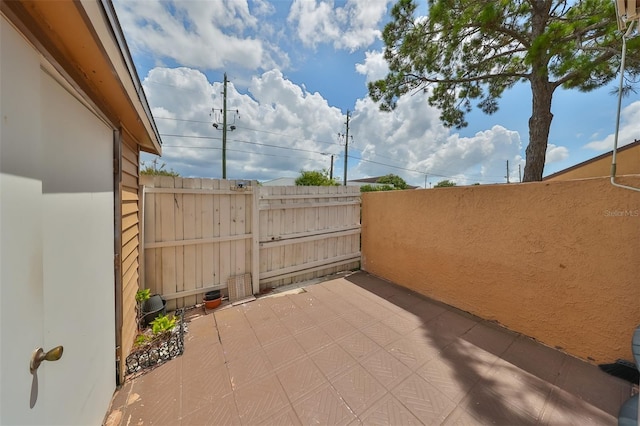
{"x":357,"y":350}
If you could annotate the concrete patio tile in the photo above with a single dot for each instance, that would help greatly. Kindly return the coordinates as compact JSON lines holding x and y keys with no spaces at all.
{"x":285,"y":417}
{"x":539,"y":360}
{"x":424,"y":400}
{"x":300,"y":377}
{"x":320,"y":314}
{"x":239,"y":343}
{"x":411,"y":353}
{"x":524,"y":391}
{"x":468,"y":358}
{"x":389,"y":411}
{"x":298,"y":322}
{"x":378,"y":309}
{"x":583,"y":380}
{"x":313,"y":339}
{"x":381,"y":333}
{"x":251,"y":366}
{"x":263,"y":398}
{"x":332,"y":360}
{"x":271,"y":332}
{"x":404,"y":300}
{"x":323,"y":407}
{"x":339,"y":306}
{"x":203,"y":353}
{"x":338,"y":328}
{"x":284,"y":352}
{"x":155,"y":398}
{"x":358,"y":388}
{"x":386,"y":368}
{"x":563,"y":408}
{"x":485,"y":406}
{"x":340,"y":353}
{"x":305,"y":300}
{"x":260,"y":314}
{"x":450,"y":380}
{"x":283,"y":307}
{"x":402,"y":324}
{"x":358,"y":345}
{"x":359,"y":319}
{"x":450,"y":325}
{"x":427,"y":310}
{"x":203,"y":386}
{"x":490,"y":338}
{"x":221,"y":412}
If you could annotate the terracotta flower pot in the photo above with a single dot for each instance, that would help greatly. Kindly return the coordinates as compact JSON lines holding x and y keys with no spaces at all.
{"x":212,"y":299}
{"x":212,"y":304}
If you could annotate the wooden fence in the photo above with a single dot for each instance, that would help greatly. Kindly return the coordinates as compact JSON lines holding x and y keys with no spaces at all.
{"x":199,"y":233}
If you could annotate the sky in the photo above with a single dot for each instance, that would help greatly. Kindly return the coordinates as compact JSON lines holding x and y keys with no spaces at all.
{"x":294,"y":70}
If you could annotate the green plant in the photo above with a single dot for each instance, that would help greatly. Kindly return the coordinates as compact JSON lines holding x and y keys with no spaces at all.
{"x":154,"y":170}
{"x":142,"y":340}
{"x":394,"y":180}
{"x":162,"y":324}
{"x":445,"y":183}
{"x":371,"y":188}
{"x":315,"y":178}
{"x":143,"y":295}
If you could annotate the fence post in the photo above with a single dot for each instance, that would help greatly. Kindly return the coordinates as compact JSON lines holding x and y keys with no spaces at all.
{"x":255,"y":238}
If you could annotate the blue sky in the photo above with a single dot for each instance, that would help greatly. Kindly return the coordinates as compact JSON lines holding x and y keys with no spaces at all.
{"x":296,"y":67}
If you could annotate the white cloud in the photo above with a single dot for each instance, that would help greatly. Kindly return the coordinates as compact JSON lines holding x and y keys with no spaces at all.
{"x":278,"y":113}
{"x":556,"y":154}
{"x":375,"y":67}
{"x":351,"y":27}
{"x":629,"y":130}
{"x":413,"y":138}
{"x":195,"y":34}
{"x":275,"y":113}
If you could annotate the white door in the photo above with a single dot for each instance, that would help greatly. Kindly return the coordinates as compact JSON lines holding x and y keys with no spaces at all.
{"x":57,"y":232}
{"x":21,"y":284}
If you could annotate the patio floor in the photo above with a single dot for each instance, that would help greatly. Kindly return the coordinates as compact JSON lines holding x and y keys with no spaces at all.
{"x":359,"y":350}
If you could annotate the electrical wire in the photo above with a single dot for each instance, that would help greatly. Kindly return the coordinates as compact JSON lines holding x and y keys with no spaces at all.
{"x":309,"y":158}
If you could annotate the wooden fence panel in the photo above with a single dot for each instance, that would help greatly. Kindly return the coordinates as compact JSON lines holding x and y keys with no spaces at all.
{"x":311,"y":232}
{"x":200,"y":232}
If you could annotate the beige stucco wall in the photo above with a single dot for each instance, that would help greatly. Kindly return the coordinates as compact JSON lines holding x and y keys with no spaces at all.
{"x":557,"y":261}
{"x":627,"y":163}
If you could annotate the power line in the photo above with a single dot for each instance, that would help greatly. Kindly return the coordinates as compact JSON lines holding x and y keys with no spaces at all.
{"x":309,"y":158}
{"x":435,"y":172}
{"x":254,"y":130}
{"x":234,"y":150}
{"x":242,"y":141}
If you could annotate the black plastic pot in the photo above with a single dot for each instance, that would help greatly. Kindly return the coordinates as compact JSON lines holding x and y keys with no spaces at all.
{"x":212,"y":295}
{"x":153,"y":307}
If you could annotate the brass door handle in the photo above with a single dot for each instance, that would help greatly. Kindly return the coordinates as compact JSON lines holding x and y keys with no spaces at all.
{"x":40,"y":355}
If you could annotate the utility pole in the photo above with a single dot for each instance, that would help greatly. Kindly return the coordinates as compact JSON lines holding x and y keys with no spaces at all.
{"x":426,"y":175}
{"x":346,"y":150}
{"x":331,"y":169}
{"x":508,"y":172}
{"x":223,"y":111}
{"x":224,"y":128}
{"x":520,"y":172}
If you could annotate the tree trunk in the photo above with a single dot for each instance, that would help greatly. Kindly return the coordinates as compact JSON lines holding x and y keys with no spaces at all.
{"x":539,"y":125}
{"x":540,"y":121}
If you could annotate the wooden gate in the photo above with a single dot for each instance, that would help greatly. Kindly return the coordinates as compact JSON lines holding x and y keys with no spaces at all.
{"x":199,"y":233}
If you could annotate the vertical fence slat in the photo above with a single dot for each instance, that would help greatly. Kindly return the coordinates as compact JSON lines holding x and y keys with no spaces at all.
{"x":260,"y":217}
{"x":189,"y":252}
